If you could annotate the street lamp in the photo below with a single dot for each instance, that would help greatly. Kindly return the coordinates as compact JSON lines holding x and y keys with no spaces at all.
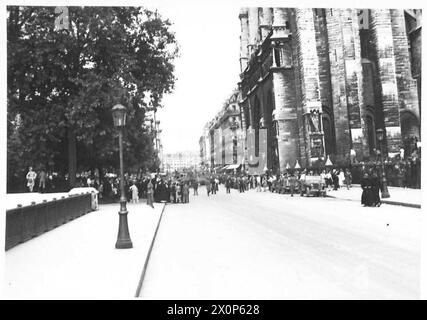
{"x":123,"y":238}
{"x":384,"y":191}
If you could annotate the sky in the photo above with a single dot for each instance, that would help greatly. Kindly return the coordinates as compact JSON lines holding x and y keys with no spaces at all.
{"x":207,"y":70}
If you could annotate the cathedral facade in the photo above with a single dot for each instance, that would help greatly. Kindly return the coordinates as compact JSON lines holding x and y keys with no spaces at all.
{"x":323,"y":81}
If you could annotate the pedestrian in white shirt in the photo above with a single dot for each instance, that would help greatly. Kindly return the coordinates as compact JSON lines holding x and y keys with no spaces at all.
{"x":134,"y":189}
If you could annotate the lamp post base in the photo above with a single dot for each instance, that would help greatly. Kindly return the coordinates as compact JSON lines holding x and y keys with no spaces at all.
{"x":123,"y":237}
{"x":385,"y":194}
{"x":124,"y":244}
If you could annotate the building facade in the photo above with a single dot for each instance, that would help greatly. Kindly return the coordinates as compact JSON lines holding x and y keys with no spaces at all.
{"x":181,"y":161}
{"x":322,"y":81}
{"x":223,"y":135}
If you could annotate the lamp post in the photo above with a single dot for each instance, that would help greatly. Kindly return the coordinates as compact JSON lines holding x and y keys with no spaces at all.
{"x":123,"y":237}
{"x":384,"y":190}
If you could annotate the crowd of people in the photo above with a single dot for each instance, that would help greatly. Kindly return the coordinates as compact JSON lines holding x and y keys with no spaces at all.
{"x":287,"y":182}
{"x":153,"y":188}
{"x":400,"y":172}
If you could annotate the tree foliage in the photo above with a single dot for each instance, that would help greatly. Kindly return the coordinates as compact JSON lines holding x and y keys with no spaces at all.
{"x":70,"y":80}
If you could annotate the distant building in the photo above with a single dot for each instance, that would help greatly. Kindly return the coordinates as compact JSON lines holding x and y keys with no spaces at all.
{"x":180,"y":161}
{"x":222,"y":149}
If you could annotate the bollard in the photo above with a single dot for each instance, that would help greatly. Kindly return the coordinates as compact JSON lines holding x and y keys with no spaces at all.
{"x":24,"y":223}
{"x":38,"y":214}
{"x":63,"y":210}
{"x":28,"y":230}
{"x":45,"y":215}
{"x":50,"y":215}
{"x":54,"y":214}
{"x":13,"y":227}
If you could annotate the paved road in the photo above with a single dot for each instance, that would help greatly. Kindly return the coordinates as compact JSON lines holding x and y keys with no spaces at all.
{"x":269,"y":246}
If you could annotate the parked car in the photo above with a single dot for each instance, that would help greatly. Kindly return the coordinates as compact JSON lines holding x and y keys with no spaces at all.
{"x":312,"y":186}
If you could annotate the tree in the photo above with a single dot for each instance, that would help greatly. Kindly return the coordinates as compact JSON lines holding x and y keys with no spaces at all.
{"x":63,"y":84}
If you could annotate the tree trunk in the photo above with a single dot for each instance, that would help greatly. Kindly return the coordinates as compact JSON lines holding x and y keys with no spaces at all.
{"x":72,"y":157}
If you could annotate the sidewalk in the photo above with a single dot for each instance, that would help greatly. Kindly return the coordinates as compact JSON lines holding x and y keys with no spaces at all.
{"x":398,"y":196}
{"x":78,"y":260}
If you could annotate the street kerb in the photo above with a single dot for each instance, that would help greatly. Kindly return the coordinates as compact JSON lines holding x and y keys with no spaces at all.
{"x":144,"y":269}
{"x":393,"y":203}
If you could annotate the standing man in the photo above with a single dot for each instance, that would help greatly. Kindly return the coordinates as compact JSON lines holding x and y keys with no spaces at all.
{"x":348,"y":178}
{"x":42,"y":180}
{"x":375,"y":189}
{"x":208,"y":187}
{"x":213,"y":186}
{"x":134,"y":191}
{"x":195,"y":187}
{"x":292,"y":183}
{"x":150,"y":191}
{"x":227,"y":185}
{"x":31,"y":178}
{"x":186,"y":193}
{"x":258,"y":183}
{"x":366,"y":185}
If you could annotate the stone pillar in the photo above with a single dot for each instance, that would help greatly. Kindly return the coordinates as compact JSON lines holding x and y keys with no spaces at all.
{"x":285,"y":114}
{"x":322,"y":46}
{"x":382,"y":35}
{"x":311,"y":106}
{"x":244,"y":39}
{"x":266,"y":19}
{"x":347,"y":82}
{"x":406,"y":84}
{"x":253,"y":23}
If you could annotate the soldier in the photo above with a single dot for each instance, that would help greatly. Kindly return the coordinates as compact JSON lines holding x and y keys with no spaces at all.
{"x":208,"y":187}
{"x":186,"y":193}
{"x":195,"y":187}
{"x":150,"y":191}
{"x":348,"y":178}
{"x":292,"y":183}
{"x":228,"y":185}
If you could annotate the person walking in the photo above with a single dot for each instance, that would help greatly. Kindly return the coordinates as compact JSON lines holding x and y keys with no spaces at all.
{"x":150,"y":197}
{"x":328,"y":180}
{"x":228,"y":185}
{"x":335,"y":179}
{"x":292,"y":183}
{"x":186,"y":193}
{"x":31,"y":178}
{"x":341,"y":178}
{"x":178,"y":192}
{"x":196,"y":187}
{"x":213,"y":186}
{"x":208,"y":187}
{"x":366,"y":185}
{"x":173,"y":192}
{"x":347,"y":178}
{"x":258,"y":183}
{"x":42,"y":180}
{"x":375,"y":189}
{"x":134,"y":190}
